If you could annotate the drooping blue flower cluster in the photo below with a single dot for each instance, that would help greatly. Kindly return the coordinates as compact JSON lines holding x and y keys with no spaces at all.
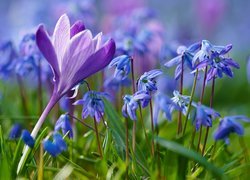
{"x":181,"y":101}
{"x":122,"y":66}
{"x":63,"y":124}
{"x":204,"y":116}
{"x":27,"y":138}
{"x":229,"y":125}
{"x":131,"y":103}
{"x":55,"y":147}
{"x":163,"y":103}
{"x":93,"y":104}
{"x":186,"y":55}
{"x":216,"y":59}
{"x":15,"y":131}
{"x":7,"y":59}
{"x":147,"y":81}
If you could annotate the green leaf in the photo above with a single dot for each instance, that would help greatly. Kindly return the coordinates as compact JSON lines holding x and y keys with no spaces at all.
{"x":190,"y":154}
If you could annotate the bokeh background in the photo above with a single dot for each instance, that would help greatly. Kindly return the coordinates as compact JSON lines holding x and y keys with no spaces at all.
{"x":183,"y":22}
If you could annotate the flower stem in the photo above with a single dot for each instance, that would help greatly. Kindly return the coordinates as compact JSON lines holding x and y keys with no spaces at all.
{"x":39,"y":88}
{"x":133,"y":90}
{"x":134,"y":136}
{"x":144,"y":129}
{"x":97,"y":138}
{"x":211,"y":105}
{"x":190,"y":102}
{"x":152,"y":127}
{"x":179,"y":127}
{"x":201,"y":100}
{"x":127,"y":144}
{"x":245,"y":149}
{"x":53,"y":100}
{"x":40,"y":169}
{"x":23,"y":95}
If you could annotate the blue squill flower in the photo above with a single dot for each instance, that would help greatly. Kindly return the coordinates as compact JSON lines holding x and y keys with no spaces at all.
{"x":228,"y":125}
{"x":147,"y":81}
{"x":15,"y":131}
{"x":28,"y":47}
{"x":115,"y":84}
{"x":27,"y":138}
{"x":63,"y":123}
{"x":56,"y":147}
{"x":185,"y":54}
{"x":7,"y":59}
{"x":122,"y":66}
{"x":204,"y":116}
{"x":93,"y":104}
{"x":131,"y":103}
{"x":207,"y":51}
{"x":59,"y":142}
{"x":181,"y":101}
{"x":163,"y":103}
{"x":218,"y":63}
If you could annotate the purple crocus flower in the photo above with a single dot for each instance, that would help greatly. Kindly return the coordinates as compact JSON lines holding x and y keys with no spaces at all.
{"x":204,"y":116}
{"x":72,"y":51}
{"x":131,"y":103}
{"x":228,"y":125}
{"x":147,"y":81}
{"x":63,"y":123}
{"x":73,"y":55}
{"x":185,"y":54}
{"x":93,"y":104}
{"x":215,"y":58}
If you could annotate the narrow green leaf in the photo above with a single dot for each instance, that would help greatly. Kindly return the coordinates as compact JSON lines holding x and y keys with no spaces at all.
{"x":179,"y":149}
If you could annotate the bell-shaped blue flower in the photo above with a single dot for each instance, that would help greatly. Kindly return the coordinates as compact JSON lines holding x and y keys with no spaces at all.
{"x":147,"y":81}
{"x":122,"y":66}
{"x":228,"y":125}
{"x":93,"y":104}
{"x":204,"y":116}
{"x":131,"y":103}
{"x":56,"y":147}
{"x":185,"y":54}
{"x":7,"y":59}
{"x":63,"y":123}
{"x":163,"y":103}
{"x":27,"y":138}
{"x":181,"y":101}
{"x":15,"y":131}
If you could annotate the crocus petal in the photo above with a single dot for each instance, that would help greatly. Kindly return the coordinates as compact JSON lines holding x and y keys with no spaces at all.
{"x":76,"y":28}
{"x":46,"y":47}
{"x":94,"y":63}
{"x":61,"y":38}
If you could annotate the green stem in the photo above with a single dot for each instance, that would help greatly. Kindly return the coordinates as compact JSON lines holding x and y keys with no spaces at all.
{"x":127,"y":148}
{"x":97,"y":138}
{"x":190,"y":102}
{"x":144,"y":130}
{"x":179,"y":127}
{"x":211,"y":105}
{"x":152,"y":127}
